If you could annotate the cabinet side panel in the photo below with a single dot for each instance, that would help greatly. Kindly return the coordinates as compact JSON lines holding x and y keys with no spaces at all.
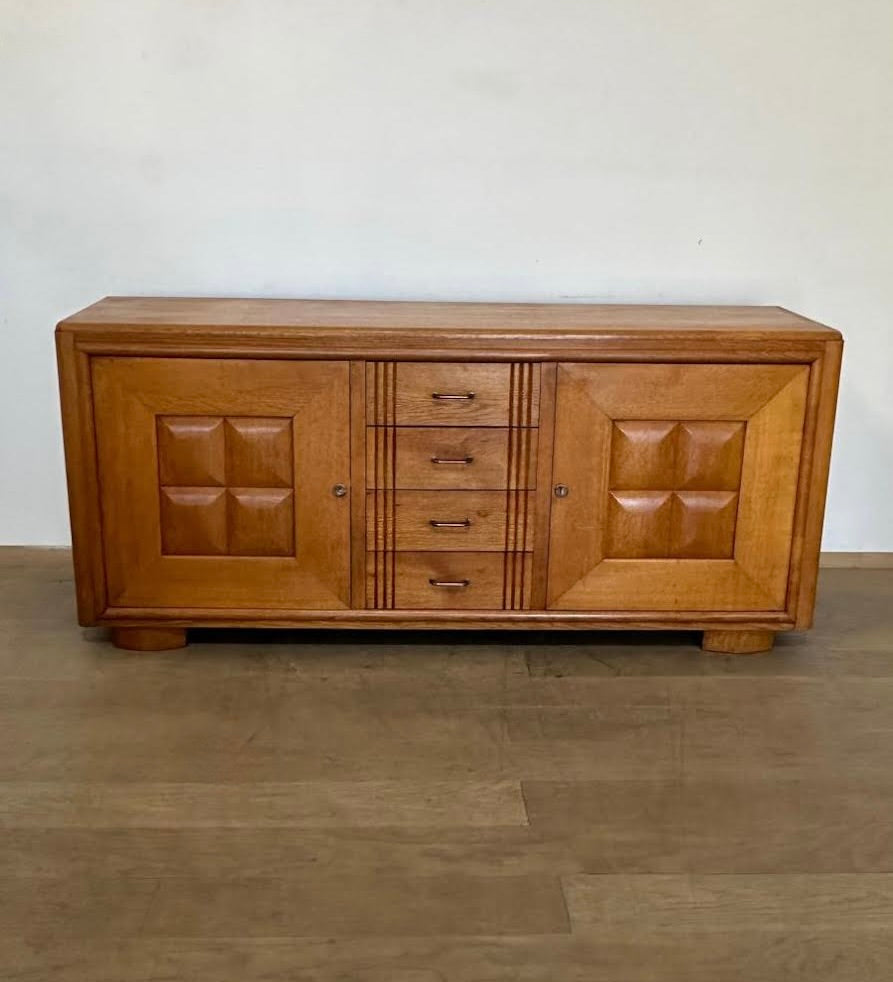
{"x":804,"y":479}
{"x":803,"y":603}
{"x":75,"y":392}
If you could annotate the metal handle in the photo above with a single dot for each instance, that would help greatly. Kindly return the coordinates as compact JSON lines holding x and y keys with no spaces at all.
{"x":458,"y":584}
{"x":561,"y":490}
{"x":451,"y":460}
{"x":464,"y":524}
{"x":452,"y":396}
{"x":340,"y":490}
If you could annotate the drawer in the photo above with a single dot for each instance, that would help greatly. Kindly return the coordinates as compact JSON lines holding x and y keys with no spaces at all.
{"x":454,"y":394}
{"x":478,"y":579}
{"x":418,"y":457}
{"x":452,"y":521}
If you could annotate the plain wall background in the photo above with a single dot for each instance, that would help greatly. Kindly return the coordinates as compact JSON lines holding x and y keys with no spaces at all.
{"x":619,"y":150}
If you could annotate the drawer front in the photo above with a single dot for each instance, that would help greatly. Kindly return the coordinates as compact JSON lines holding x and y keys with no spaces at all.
{"x":460,"y":394}
{"x":452,"y":457}
{"x":453,"y":521}
{"x":453,"y":580}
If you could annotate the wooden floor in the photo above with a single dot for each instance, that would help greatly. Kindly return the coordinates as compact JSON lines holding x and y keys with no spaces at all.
{"x":410,"y":808}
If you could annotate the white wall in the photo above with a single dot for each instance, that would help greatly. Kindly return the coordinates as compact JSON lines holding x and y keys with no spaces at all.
{"x":624,"y":150}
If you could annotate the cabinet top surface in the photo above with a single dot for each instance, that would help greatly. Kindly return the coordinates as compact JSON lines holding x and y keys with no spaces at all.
{"x":509,"y":319}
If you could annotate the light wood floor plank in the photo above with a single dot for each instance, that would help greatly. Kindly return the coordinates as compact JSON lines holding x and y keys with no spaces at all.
{"x":296,"y":805}
{"x":253,"y":852}
{"x":647,"y":905}
{"x":306,"y":904}
{"x":832,"y":955}
{"x":724,"y":825}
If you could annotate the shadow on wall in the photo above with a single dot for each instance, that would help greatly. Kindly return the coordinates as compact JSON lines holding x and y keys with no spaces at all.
{"x":854,"y":502}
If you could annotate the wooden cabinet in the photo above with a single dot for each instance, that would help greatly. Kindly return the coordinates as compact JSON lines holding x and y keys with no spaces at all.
{"x":294,"y":463}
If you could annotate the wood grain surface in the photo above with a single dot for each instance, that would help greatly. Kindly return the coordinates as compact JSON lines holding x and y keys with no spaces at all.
{"x":253,"y":313}
{"x":455,"y":457}
{"x":458,"y":394}
{"x":464,"y":808}
{"x":474,"y":521}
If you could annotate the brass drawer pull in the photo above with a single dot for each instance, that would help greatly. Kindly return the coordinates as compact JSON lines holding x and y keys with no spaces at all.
{"x":464,"y":524}
{"x":451,"y":460}
{"x":452,"y":396}
{"x":457,"y":584}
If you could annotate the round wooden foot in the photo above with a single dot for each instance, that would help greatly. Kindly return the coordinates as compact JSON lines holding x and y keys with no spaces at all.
{"x":738,"y":642}
{"x":149,"y":638}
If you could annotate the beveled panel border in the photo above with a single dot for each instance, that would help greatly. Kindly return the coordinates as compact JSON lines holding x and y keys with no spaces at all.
{"x":772,"y":399}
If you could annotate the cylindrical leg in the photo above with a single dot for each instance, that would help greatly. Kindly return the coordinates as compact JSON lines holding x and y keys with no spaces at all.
{"x":738,"y":642}
{"x":149,"y":638}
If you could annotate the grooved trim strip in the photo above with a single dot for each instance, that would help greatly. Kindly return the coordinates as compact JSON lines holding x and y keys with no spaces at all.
{"x":383,"y":495}
{"x":521,"y":387}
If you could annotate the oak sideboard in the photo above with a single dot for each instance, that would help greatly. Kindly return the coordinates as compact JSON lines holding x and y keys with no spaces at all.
{"x":297,"y":463}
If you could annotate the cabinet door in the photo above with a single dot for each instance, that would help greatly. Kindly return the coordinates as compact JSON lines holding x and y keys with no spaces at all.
{"x":217,"y":482}
{"x":681,"y":481}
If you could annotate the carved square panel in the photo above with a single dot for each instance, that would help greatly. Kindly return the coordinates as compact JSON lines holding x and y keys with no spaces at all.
{"x":226,"y":485}
{"x":191,"y":451}
{"x":643,"y":454}
{"x":672,"y":488}
{"x":709,"y":455}
{"x":193,"y":522}
{"x":638,"y":524}
{"x":261,"y":522}
{"x":258,"y":452}
{"x":736,"y":432}
{"x":702,"y":524}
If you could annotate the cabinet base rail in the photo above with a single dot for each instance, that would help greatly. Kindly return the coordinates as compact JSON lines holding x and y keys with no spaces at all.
{"x":144,"y":638}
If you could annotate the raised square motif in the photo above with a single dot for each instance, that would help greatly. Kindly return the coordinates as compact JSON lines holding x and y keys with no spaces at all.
{"x":261,"y":522}
{"x":709,"y":455}
{"x":191,"y":451}
{"x":643,"y":454}
{"x":193,"y":522}
{"x":258,"y":452}
{"x":638,"y":524}
{"x":702,"y":524}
